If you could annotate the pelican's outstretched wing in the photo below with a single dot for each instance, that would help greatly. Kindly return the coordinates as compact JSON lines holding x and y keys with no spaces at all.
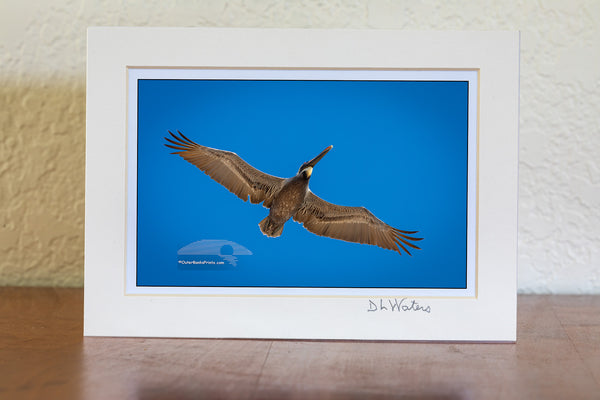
{"x":352,"y":224}
{"x":227,"y":168}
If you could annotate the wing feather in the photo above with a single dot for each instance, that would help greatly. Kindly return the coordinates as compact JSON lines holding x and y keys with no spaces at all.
{"x":352,"y":224}
{"x":227,"y":168}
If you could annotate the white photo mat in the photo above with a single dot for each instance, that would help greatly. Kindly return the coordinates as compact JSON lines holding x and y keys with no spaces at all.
{"x":114,"y":306}
{"x":311,"y":75}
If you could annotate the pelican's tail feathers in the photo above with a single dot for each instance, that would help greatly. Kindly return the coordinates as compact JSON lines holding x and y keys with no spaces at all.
{"x":270,"y":227}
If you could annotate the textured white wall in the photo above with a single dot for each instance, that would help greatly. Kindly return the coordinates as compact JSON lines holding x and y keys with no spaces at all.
{"x":42,"y":118}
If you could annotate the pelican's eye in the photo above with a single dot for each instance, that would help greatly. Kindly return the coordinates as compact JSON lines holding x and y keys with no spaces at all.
{"x":303,"y":167}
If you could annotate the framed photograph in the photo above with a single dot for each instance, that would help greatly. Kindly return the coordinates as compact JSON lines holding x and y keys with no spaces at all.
{"x":318,"y":184}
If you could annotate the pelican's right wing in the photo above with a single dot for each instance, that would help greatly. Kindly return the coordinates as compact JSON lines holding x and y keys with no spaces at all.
{"x":227,"y":168}
{"x":352,"y":224}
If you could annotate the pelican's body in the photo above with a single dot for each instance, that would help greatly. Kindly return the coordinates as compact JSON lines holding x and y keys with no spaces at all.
{"x":285,"y":204}
{"x":291,"y":198}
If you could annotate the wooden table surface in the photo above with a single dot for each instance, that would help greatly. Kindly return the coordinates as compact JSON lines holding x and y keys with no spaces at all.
{"x":44,"y":356}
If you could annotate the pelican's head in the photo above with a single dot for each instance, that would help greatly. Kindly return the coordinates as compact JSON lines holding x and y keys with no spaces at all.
{"x":306,"y":169}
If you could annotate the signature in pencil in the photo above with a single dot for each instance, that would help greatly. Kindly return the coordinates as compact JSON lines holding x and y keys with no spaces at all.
{"x":397,"y":305}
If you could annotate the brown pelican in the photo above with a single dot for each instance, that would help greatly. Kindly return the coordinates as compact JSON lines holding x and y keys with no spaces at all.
{"x":291,"y":198}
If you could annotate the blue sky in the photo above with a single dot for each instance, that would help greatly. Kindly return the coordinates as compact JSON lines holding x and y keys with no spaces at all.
{"x":400,"y":150}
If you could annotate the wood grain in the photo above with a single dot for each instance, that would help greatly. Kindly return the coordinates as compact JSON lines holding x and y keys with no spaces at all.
{"x":43,"y":355}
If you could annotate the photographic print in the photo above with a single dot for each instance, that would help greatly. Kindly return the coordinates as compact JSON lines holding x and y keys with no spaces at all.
{"x":299,"y":179}
{"x":301,"y":184}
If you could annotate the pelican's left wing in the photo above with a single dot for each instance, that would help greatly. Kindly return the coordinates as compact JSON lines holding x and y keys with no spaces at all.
{"x":228,"y":169}
{"x":352,"y":224}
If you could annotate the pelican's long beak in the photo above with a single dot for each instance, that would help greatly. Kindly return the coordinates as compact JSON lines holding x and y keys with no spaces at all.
{"x":315,"y":160}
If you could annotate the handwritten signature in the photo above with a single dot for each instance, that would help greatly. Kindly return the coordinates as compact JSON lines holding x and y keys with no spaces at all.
{"x":397,"y":305}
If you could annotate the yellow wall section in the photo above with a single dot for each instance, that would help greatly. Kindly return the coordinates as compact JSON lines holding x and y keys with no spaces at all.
{"x":42,"y":118}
